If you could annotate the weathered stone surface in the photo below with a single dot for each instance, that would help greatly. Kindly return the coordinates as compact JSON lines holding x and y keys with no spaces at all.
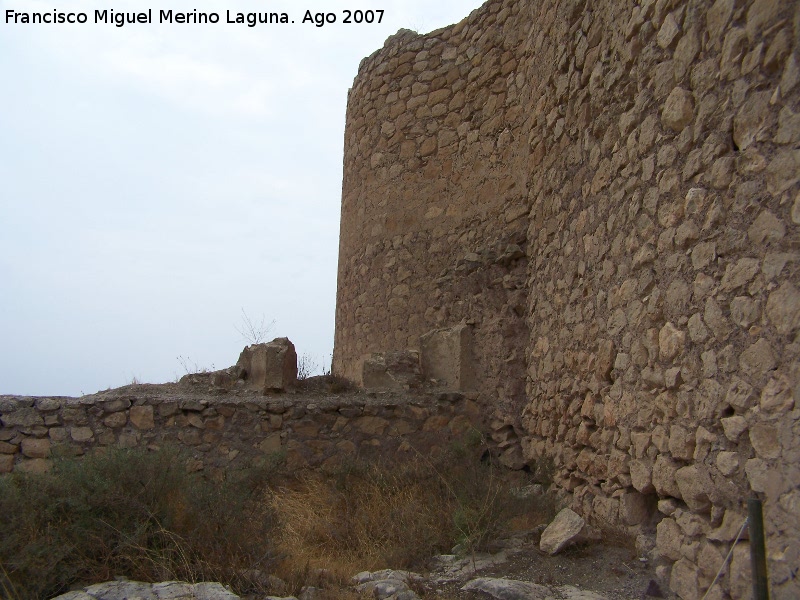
{"x":35,"y":448}
{"x":777,"y":395}
{"x":270,"y":366}
{"x":564,"y":530}
{"x":783,"y":171}
{"x":757,"y":470}
{"x":734,"y":427}
{"x":751,"y":119}
{"x":757,"y":359}
{"x":728,"y":463}
{"x":641,"y":476}
{"x":664,"y":481}
{"x":446,"y":356}
{"x":668,"y":539}
{"x":169,"y":590}
{"x":739,"y":395}
{"x":741,"y":586}
{"x":744,"y":311}
{"x":116,"y":420}
{"x":695,"y":486}
{"x":142,"y":417}
{"x":634,"y":508}
{"x":47,"y":404}
{"x":730,"y":527}
{"x":81,"y":434}
{"x":740,"y":273}
{"x":783,"y":308}
{"x":116,"y":405}
{"x":271,"y":444}
{"x":6,"y":463}
{"x":670,"y":341}
{"x":22,"y":417}
{"x":371,"y":425}
{"x":681,"y":442}
{"x":391,"y":370}
{"x":765,"y":440}
{"x":685,"y":580}
{"x":678,"y":109}
{"x":507,"y":589}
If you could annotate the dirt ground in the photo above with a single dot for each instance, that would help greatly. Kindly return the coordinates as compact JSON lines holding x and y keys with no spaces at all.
{"x":614,"y":572}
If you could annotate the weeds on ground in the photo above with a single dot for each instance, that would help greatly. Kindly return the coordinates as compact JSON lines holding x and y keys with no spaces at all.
{"x":128,"y":513}
{"x":139,"y":514}
{"x":368,"y":516}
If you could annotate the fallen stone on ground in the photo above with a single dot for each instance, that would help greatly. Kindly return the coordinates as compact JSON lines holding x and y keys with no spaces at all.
{"x":511,"y":589}
{"x":168,"y":590}
{"x":387,"y":584}
{"x":566,"y":529}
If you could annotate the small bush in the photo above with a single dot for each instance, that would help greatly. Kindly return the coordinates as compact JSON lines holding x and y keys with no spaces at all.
{"x":139,"y":514}
{"x":128,"y":513}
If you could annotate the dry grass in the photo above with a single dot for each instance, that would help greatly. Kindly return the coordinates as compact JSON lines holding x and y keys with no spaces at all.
{"x":366,"y":519}
{"x":140,"y":515}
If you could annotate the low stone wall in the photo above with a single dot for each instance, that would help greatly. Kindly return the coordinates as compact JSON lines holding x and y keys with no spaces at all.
{"x":223,"y":432}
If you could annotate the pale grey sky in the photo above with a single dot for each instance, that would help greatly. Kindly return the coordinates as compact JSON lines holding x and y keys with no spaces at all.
{"x":159,"y":179}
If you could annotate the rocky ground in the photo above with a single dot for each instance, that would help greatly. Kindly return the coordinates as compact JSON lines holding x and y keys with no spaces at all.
{"x":517,"y":570}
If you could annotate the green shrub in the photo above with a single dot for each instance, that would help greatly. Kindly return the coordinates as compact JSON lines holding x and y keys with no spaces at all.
{"x":131,"y":513}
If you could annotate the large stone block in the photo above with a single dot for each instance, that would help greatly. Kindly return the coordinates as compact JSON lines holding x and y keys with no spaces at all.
{"x":446,"y":356}
{"x":270,"y":366}
{"x":390,"y":370}
{"x":565,"y":529}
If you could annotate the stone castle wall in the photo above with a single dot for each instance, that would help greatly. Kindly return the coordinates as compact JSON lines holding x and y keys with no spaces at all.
{"x":224,"y":432}
{"x":608,"y":193}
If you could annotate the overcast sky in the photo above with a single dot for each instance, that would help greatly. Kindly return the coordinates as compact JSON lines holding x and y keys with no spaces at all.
{"x":157,"y":180}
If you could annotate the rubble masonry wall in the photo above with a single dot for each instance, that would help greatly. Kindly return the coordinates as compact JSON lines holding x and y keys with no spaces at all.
{"x":608,"y":193}
{"x":231,"y":432}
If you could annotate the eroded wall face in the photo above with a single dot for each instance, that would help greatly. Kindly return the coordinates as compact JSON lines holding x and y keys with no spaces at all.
{"x":655,"y":152}
{"x":433,"y":215}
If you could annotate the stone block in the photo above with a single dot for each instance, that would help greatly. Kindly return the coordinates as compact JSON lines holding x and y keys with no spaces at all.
{"x":81,"y":434}
{"x":142,"y":417}
{"x":664,"y":481}
{"x":668,"y":539}
{"x":681,"y":442}
{"x":22,"y":417}
{"x":117,"y":405}
{"x":695,"y":486}
{"x":116,"y":420}
{"x":271,"y":444}
{"x":391,"y":370}
{"x":765,"y":441}
{"x":371,"y":425}
{"x":48,"y":404}
{"x":685,"y":580}
{"x":270,"y":366}
{"x":36,"y":448}
{"x":446,"y":356}
{"x":741,"y":587}
{"x":564,"y":530}
{"x":642,"y":476}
